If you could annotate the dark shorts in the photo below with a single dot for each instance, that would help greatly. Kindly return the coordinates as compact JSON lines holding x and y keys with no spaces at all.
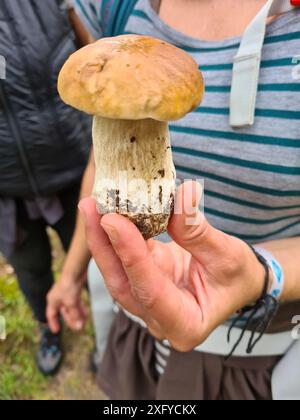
{"x":128,"y":372}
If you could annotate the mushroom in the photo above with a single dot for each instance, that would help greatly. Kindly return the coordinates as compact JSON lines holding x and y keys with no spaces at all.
{"x":133,"y":85}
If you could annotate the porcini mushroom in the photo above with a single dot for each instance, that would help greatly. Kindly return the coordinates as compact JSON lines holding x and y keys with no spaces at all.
{"x":133,"y":85}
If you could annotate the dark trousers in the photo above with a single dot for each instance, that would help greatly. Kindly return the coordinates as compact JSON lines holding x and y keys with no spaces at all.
{"x":32,"y":260}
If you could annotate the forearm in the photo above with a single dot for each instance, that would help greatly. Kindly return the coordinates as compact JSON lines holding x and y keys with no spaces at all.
{"x":83,"y":37}
{"x":79,"y":256}
{"x":287,"y":252}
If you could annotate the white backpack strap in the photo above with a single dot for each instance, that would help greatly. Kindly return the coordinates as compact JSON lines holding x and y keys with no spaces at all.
{"x":247,"y":65}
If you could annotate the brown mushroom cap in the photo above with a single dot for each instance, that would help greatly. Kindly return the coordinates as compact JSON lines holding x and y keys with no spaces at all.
{"x":132,"y":77}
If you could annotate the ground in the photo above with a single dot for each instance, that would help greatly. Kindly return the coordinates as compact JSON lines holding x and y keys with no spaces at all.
{"x":19,"y":378}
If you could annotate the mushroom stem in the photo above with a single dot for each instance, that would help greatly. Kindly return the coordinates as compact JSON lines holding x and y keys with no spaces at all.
{"x":135,"y":174}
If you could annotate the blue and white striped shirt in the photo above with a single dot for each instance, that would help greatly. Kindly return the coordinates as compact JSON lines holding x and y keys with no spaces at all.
{"x":252,"y":175}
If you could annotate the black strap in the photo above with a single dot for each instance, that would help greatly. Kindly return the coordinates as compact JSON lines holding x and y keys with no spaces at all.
{"x":267,"y":304}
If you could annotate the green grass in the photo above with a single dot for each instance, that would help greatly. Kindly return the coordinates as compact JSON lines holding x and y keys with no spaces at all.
{"x":19,"y":378}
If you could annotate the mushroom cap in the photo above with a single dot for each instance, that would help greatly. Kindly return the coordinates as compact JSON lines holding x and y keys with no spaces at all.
{"x":132,"y":77}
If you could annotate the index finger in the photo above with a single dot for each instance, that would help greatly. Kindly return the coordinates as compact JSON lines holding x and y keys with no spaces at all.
{"x":162,"y":300}
{"x":52,"y":315}
{"x":107,"y":260}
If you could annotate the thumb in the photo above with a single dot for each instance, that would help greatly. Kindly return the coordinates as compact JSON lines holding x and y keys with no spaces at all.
{"x":189,"y":227}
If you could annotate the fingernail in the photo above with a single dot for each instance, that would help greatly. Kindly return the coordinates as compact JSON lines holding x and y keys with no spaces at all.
{"x":111,"y":232}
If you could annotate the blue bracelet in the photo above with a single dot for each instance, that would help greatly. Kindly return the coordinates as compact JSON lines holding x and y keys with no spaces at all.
{"x":278,"y":276}
{"x":261,"y":314}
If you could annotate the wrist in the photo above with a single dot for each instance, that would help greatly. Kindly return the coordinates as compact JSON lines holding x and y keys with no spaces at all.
{"x":73,"y":276}
{"x":257,"y":277}
{"x":263,"y":308}
{"x":75,"y":266}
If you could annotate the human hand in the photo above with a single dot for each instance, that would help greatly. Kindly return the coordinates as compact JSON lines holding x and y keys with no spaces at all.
{"x":182,"y":290}
{"x":65,"y":299}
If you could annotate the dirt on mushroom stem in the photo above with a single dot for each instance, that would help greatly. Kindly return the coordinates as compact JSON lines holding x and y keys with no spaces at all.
{"x":135,"y":174}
